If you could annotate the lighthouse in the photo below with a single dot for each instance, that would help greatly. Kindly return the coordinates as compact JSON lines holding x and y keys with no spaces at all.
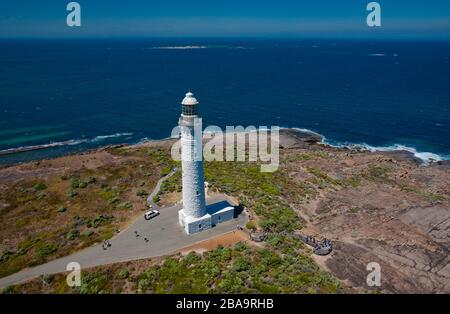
{"x":194,"y":215}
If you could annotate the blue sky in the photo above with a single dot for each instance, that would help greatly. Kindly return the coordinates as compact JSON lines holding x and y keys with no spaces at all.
{"x":225,"y":18}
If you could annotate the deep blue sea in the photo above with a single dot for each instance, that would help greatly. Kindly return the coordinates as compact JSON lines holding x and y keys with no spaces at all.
{"x":88,"y":93}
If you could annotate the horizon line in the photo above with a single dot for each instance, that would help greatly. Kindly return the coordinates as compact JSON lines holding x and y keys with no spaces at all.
{"x":356,"y":38}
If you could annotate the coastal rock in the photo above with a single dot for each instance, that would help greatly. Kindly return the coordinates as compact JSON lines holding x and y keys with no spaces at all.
{"x":292,"y":138}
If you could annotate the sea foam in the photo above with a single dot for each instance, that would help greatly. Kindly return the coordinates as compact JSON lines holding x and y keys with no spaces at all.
{"x":425,"y":157}
{"x":104,"y":137}
{"x":71,"y":142}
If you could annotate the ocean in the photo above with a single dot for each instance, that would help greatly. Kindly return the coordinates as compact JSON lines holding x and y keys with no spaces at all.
{"x":74,"y":95}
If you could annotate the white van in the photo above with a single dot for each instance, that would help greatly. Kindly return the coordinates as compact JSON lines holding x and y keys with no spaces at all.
{"x":151,"y":214}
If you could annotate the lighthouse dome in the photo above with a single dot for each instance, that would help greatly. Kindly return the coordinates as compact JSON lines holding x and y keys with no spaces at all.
{"x":189,"y":99}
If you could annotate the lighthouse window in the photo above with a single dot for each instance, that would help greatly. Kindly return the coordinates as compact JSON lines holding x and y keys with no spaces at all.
{"x":189,"y":110}
{"x":198,"y":193}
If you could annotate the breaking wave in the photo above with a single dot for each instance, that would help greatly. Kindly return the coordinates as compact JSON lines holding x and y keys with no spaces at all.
{"x":425,"y":157}
{"x":62,"y":143}
{"x":104,"y":137}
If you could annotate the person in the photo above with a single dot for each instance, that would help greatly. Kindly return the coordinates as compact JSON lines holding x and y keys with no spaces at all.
{"x":145,"y":239}
{"x":136,"y":233}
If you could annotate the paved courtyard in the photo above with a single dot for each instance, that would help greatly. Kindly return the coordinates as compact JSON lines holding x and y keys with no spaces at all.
{"x":164,"y":233}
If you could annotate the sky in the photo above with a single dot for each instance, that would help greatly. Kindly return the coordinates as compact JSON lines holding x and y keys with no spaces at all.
{"x":225,"y":18}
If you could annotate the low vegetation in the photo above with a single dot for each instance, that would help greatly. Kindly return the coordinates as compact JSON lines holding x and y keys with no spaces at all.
{"x":52,"y":216}
{"x":282,"y":267}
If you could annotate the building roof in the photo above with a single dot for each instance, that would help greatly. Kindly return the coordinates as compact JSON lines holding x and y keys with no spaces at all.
{"x":189,"y":99}
{"x":217,"y":208}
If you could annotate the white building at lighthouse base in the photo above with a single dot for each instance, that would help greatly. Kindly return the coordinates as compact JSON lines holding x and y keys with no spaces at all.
{"x":193,"y":224}
{"x":215,"y":214}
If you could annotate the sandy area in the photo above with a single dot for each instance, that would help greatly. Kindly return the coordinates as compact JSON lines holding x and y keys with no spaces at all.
{"x":226,"y":240}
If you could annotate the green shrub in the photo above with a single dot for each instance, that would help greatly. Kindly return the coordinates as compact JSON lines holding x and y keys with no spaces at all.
{"x":100,"y":220}
{"x":6,"y":255}
{"x":251,"y":225}
{"x":40,"y":195}
{"x":45,"y":250}
{"x":75,"y":183}
{"x":156,"y":199}
{"x":241,"y":264}
{"x":22,"y":222}
{"x":192,"y":258}
{"x":72,"y":234}
{"x":141,"y":193}
{"x":126,"y":205}
{"x":114,"y":200}
{"x":88,"y":233}
{"x":376,"y":172}
{"x":11,"y":290}
{"x":48,"y":278}
{"x":123,"y":274}
{"x":165,"y":171}
{"x":25,"y":245}
{"x":62,"y":209}
{"x":240,"y":247}
{"x":143,"y":285}
{"x":39,"y":186}
{"x":93,"y":283}
{"x":72,"y":193}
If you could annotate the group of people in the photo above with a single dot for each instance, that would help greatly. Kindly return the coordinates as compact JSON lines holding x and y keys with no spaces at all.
{"x":138,"y":235}
{"x":323,"y":248}
{"x":106,"y":244}
{"x":326,"y":242}
{"x":312,"y":241}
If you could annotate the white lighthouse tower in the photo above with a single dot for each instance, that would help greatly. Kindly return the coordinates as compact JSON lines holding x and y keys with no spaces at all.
{"x":193,"y":216}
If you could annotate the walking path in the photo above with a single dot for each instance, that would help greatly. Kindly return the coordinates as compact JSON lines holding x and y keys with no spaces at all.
{"x":158,"y":187}
{"x":164,"y":236}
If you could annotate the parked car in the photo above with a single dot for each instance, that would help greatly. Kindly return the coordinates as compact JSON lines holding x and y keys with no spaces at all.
{"x":151,"y":214}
